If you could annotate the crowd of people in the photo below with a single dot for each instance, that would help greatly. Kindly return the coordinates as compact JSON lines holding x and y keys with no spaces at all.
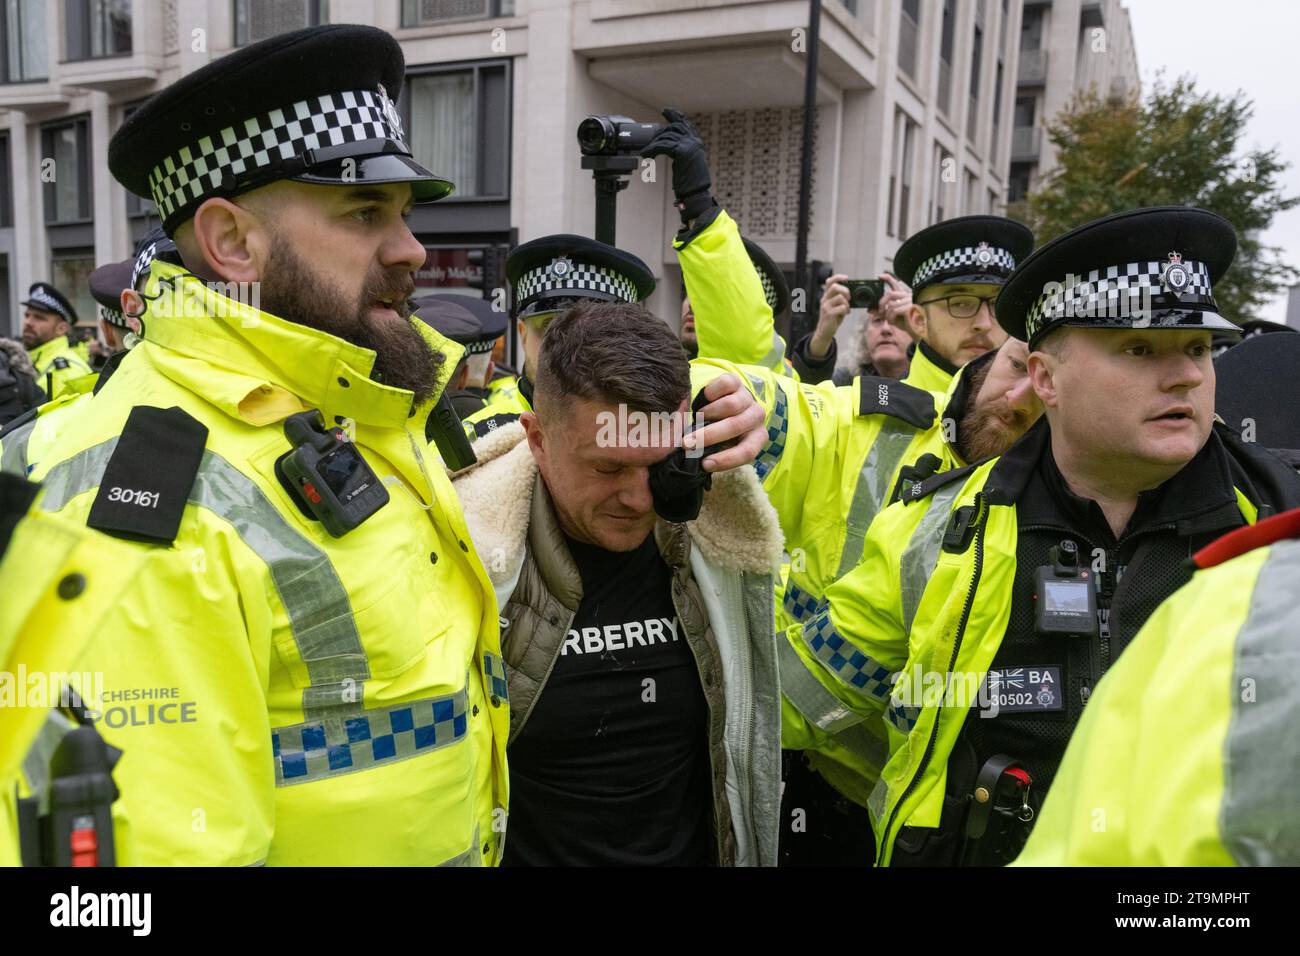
{"x":326,"y":583}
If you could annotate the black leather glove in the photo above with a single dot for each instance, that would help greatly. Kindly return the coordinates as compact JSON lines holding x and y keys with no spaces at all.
{"x":680,"y":141}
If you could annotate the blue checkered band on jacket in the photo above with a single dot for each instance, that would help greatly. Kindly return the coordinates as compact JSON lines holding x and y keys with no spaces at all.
{"x":576,"y":278}
{"x":798,"y":603}
{"x":999,"y":261}
{"x":495,"y":668}
{"x":1116,"y":292}
{"x":332,"y":119}
{"x":902,"y":717}
{"x":43,"y":300}
{"x":850,"y":666}
{"x":338,"y":745}
{"x":777,"y":426}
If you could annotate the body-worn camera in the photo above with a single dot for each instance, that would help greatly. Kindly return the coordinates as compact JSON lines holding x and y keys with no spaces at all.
{"x":326,"y":475}
{"x":1065,"y":596}
{"x":615,"y":135}
{"x":865,"y":293}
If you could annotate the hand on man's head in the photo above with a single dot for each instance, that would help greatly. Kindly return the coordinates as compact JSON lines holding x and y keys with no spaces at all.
{"x":732,"y":413}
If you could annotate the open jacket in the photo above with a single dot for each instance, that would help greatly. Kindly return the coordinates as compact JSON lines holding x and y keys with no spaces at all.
{"x":722,"y":566}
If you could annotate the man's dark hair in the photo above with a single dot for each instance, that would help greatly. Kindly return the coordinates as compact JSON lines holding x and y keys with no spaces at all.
{"x":614,"y":352}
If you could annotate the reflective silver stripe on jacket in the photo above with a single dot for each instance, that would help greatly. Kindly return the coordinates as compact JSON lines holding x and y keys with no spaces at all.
{"x":13,"y":456}
{"x":339,"y":744}
{"x":1261,"y":753}
{"x":855,"y":671}
{"x":922,"y":552}
{"x":471,"y":857}
{"x":873,"y":487}
{"x":320,"y":613}
{"x":36,"y":765}
{"x":823,"y":709}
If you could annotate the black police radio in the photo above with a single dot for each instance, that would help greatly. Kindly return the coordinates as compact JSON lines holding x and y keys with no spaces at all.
{"x":1065,"y":595}
{"x":326,"y":475}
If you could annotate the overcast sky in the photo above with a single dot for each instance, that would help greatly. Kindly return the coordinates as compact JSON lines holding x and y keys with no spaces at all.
{"x":1249,"y":45}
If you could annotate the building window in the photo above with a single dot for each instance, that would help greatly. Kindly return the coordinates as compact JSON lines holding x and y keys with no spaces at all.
{"x":945,"y":174}
{"x":900,"y":175}
{"x":70,"y":274}
{"x":946,"y":33}
{"x":22,"y":41}
{"x":1031,"y":28}
{"x":976,"y":66}
{"x":459,"y":125}
{"x":971,"y":195}
{"x":6,"y":186}
{"x":258,"y":19}
{"x":423,"y":13}
{"x":908,"y":29}
{"x":1018,"y":183}
{"x":65,"y":171}
{"x":97,"y":28}
{"x":1024,"y":111}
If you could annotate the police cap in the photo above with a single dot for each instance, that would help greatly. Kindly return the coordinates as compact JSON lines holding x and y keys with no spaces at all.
{"x":1144,"y":268}
{"x":314,"y":105}
{"x":547,"y":274}
{"x":467,"y":320}
{"x":46,"y":298}
{"x":106,"y":285}
{"x":968,"y":250}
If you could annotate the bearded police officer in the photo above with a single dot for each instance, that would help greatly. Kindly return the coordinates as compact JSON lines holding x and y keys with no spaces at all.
{"x":1038,"y":567}
{"x":48,"y":317}
{"x":306,"y":669}
{"x":955,"y":269}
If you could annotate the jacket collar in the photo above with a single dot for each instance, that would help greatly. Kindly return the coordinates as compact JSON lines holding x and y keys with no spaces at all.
{"x":1200,"y":497}
{"x":934,"y":358}
{"x":49,"y":350}
{"x":270,"y":367}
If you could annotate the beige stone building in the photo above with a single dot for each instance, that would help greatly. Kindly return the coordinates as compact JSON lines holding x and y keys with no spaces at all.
{"x":913,"y":119}
{"x":1066,"y":46}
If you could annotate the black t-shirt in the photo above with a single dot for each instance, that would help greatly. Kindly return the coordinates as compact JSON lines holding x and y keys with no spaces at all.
{"x":612,"y":766}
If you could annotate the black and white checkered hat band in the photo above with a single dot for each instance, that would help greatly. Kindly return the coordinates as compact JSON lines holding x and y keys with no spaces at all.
{"x":574,"y":280}
{"x":1116,"y":292}
{"x":981,"y":258}
{"x":113,"y":317}
{"x":43,"y":300}
{"x":243,"y":149}
{"x":769,"y":288}
{"x":142,"y":263}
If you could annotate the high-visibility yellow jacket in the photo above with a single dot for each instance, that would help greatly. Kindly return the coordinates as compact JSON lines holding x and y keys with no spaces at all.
{"x":24,"y":441}
{"x":60,"y":368}
{"x":932,"y":596}
{"x":337,"y":700}
{"x":1187,"y":754}
{"x":928,"y":370}
{"x":733,"y":321}
{"x":58,"y":580}
{"x":834,"y":459}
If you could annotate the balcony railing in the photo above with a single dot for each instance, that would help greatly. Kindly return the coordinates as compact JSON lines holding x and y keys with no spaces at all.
{"x":1025,"y":144}
{"x":1033,"y":68}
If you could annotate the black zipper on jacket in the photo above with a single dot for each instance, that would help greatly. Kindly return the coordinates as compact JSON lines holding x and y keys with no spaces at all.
{"x":952,"y":660}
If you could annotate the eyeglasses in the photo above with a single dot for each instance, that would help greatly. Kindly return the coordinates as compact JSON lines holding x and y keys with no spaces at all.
{"x":963,"y":306}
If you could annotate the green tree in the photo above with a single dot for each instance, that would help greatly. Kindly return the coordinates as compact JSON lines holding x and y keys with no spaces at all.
{"x":1178,"y":146}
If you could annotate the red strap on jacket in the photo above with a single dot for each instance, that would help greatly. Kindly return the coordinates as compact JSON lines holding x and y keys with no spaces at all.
{"x":1258,"y":535}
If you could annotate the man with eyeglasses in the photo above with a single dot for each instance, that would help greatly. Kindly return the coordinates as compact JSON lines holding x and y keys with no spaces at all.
{"x":956,"y":269}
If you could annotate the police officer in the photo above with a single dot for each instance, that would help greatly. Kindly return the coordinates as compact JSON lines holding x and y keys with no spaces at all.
{"x":955,"y":269}
{"x":307,"y":667}
{"x":1200,"y":716}
{"x":546,"y":276}
{"x":47,"y":320}
{"x":1250,"y":377}
{"x":473,"y":324}
{"x":1038,"y":567}
{"x":107,"y":283}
